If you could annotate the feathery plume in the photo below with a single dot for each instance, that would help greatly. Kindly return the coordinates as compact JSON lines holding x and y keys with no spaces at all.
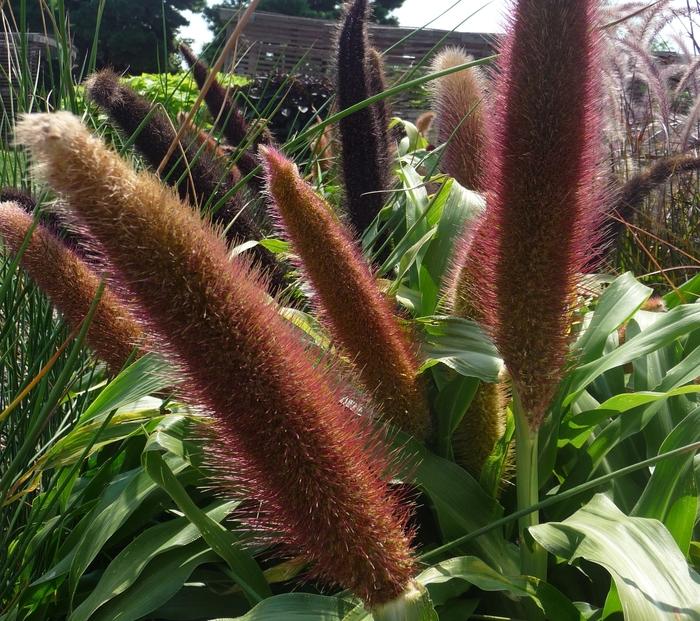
{"x":363,"y":156}
{"x":458,"y":100}
{"x":540,"y":224}
{"x":155,"y":133}
{"x":71,"y":286}
{"x":632,"y":194}
{"x":281,"y":432}
{"x":227,"y":117}
{"x":358,"y":314}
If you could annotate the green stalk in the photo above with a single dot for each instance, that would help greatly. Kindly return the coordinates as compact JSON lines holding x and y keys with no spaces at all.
{"x":533,"y":557}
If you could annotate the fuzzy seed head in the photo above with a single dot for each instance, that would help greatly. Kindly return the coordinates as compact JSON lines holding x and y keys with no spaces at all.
{"x":544,"y":202}
{"x":357,"y":313}
{"x":376,"y":76}
{"x":459,"y":103}
{"x":365,"y":168}
{"x":71,"y":286}
{"x":481,"y":428}
{"x":281,"y":433}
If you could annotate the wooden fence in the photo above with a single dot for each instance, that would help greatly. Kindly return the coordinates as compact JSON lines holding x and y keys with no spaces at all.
{"x":279,"y":43}
{"x":40,"y":50}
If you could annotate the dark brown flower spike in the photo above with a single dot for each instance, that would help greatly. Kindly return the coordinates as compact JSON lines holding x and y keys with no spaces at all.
{"x":363,"y":151}
{"x":204,"y":182}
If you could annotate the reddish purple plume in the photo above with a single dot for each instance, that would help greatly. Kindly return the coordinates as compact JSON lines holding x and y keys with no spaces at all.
{"x":544,"y":199}
{"x":357,"y":313}
{"x":281,"y":433}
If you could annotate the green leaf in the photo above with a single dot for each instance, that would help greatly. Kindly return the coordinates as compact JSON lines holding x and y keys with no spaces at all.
{"x":243,"y":567}
{"x":116,"y":503}
{"x":161,"y":580}
{"x":451,"y":405}
{"x":105,"y":522}
{"x":452,"y":490}
{"x":689,"y":294}
{"x":620,"y":301}
{"x":669,"y":482}
{"x":297,"y":607}
{"x":128,"y":565}
{"x":461,"y":345}
{"x":474,"y":571}
{"x":652,"y":577}
{"x":462,"y":206}
{"x":146,"y":376}
{"x":670,"y":327}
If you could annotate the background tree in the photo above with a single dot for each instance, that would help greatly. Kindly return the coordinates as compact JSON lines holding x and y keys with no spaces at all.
{"x":136,"y":36}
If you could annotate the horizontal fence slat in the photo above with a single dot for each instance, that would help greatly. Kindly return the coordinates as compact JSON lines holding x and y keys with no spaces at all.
{"x":283,"y":43}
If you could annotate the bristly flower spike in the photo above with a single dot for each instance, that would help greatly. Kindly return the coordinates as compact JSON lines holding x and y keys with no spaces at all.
{"x":49,"y":219}
{"x":71,"y":286}
{"x":281,"y":431}
{"x":204,"y":180}
{"x":363,"y":151}
{"x":629,"y":198}
{"x":459,"y":104}
{"x":358,"y":315}
{"x":544,"y":202}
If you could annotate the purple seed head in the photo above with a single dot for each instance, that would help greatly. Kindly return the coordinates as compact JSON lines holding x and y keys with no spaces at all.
{"x":543,"y":198}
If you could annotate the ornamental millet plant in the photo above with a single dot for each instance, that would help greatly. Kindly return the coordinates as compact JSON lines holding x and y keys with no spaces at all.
{"x":280,"y":430}
{"x":543,"y":209}
{"x":349,"y":299}
{"x":72,"y":286}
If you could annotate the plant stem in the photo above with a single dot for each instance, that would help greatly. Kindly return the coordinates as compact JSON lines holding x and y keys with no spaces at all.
{"x":533,"y":557}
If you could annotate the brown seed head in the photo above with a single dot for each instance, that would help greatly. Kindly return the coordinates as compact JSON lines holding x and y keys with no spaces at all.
{"x":459,"y":104}
{"x":359,"y":316}
{"x":71,"y":286}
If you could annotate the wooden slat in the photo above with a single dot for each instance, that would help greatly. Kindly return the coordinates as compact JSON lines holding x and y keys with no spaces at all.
{"x":275,"y":42}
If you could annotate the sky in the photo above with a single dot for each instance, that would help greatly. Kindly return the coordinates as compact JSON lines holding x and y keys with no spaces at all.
{"x":480,"y":16}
